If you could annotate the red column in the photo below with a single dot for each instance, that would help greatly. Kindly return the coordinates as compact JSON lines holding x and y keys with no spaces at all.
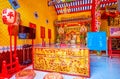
{"x":93,"y":25}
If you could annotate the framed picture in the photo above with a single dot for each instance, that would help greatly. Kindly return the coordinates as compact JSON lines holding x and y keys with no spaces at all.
{"x":114,"y":31}
{"x":14,"y":4}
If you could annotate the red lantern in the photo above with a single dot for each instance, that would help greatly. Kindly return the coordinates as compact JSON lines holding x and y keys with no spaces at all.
{"x":10,"y":16}
{"x":12,"y":19}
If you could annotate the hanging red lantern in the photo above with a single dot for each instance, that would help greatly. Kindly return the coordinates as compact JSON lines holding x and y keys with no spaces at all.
{"x":10,"y":16}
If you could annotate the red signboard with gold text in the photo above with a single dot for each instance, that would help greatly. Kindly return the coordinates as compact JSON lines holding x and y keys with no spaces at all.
{"x":42,"y":32}
{"x":49,"y":33}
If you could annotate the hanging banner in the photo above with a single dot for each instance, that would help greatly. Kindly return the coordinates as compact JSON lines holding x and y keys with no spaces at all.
{"x":42,"y":32}
{"x":8,"y":16}
{"x":49,"y":33}
{"x":33,"y":30}
{"x":97,"y":15}
{"x":14,"y":4}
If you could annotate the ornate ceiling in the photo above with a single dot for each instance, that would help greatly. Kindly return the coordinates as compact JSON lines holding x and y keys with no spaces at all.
{"x":72,"y":6}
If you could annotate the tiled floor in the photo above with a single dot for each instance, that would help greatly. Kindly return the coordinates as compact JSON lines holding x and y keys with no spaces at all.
{"x":101,"y":68}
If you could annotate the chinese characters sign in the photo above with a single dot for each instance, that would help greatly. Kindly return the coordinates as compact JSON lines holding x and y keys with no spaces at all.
{"x":49,"y":33}
{"x":42,"y":32}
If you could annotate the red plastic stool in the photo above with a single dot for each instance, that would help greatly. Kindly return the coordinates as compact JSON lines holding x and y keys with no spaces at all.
{"x":25,"y":74}
{"x":53,"y":76}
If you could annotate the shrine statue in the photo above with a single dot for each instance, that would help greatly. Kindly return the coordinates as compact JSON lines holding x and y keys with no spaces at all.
{"x":83,"y":31}
{"x":73,"y":40}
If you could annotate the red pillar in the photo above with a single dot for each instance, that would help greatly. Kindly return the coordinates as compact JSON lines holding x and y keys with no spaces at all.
{"x":93,"y":25}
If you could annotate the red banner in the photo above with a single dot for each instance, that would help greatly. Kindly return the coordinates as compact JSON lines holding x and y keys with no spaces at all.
{"x":49,"y":33}
{"x":42,"y":32}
